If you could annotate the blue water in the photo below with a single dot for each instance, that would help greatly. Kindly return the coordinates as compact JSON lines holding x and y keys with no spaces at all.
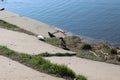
{"x":98,"y":19}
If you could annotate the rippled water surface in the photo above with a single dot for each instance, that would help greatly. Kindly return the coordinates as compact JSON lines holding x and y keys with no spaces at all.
{"x":98,"y":19}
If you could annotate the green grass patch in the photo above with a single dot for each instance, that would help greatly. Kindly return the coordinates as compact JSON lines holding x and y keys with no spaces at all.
{"x":39,"y":63}
{"x":86,"y":46}
{"x":108,"y":49}
{"x":79,"y":77}
{"x":71,"y":41}
{"x":113,"y":51}
{"x":6,"y":25}
{"x":88,"y":55}
{"x":57,"y":54}
{"x":53,"y":41}
{"x":105,"y":46}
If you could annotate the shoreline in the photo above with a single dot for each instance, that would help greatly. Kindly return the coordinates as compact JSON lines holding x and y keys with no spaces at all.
{"x":92,"y":40}
{"x":40,"y":28}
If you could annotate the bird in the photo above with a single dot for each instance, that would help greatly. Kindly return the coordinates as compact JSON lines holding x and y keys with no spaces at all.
{"x":62,"y":42}
{"x":51,"y":35}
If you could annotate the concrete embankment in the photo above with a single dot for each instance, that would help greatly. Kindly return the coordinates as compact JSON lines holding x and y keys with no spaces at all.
{"x":93,"y":70}
{"x":22,"y":42}
{"x":12,"y":70}
{"x":32,"y":25}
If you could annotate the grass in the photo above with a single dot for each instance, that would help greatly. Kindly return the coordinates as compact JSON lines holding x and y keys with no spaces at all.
{"x":53,"y":41}
{"x":6,"y":25}
{"x":100,"y":52}
{"x":74,"y":43}
{"x":86,"y":46}
{"x":79,"y":77}
{"x":88,"y":55}
{"x":57,"y":54}
{"x":71,"y":41}
{"x":105,"y":46}
{"x":110,"y":50}
{"x":39,"y":63}
{"x":113,"y":51}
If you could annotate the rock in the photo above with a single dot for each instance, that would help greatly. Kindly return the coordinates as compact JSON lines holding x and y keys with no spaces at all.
{"x":118,"y":58}
{"x":118,"y":51}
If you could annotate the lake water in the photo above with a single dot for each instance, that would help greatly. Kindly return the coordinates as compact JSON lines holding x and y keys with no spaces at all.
{"x":98,"y":19}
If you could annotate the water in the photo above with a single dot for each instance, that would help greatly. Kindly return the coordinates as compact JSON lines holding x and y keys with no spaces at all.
{"x":98,"y":19}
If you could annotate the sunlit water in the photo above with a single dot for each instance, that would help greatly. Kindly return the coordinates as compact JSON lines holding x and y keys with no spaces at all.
{"x":98,"y":19}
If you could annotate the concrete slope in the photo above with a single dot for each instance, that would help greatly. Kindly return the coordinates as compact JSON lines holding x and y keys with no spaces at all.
{"x":11,"y":70}
{"x":34,"y":26}
{"x":22,"y":42}
{"x":93,"y":70}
